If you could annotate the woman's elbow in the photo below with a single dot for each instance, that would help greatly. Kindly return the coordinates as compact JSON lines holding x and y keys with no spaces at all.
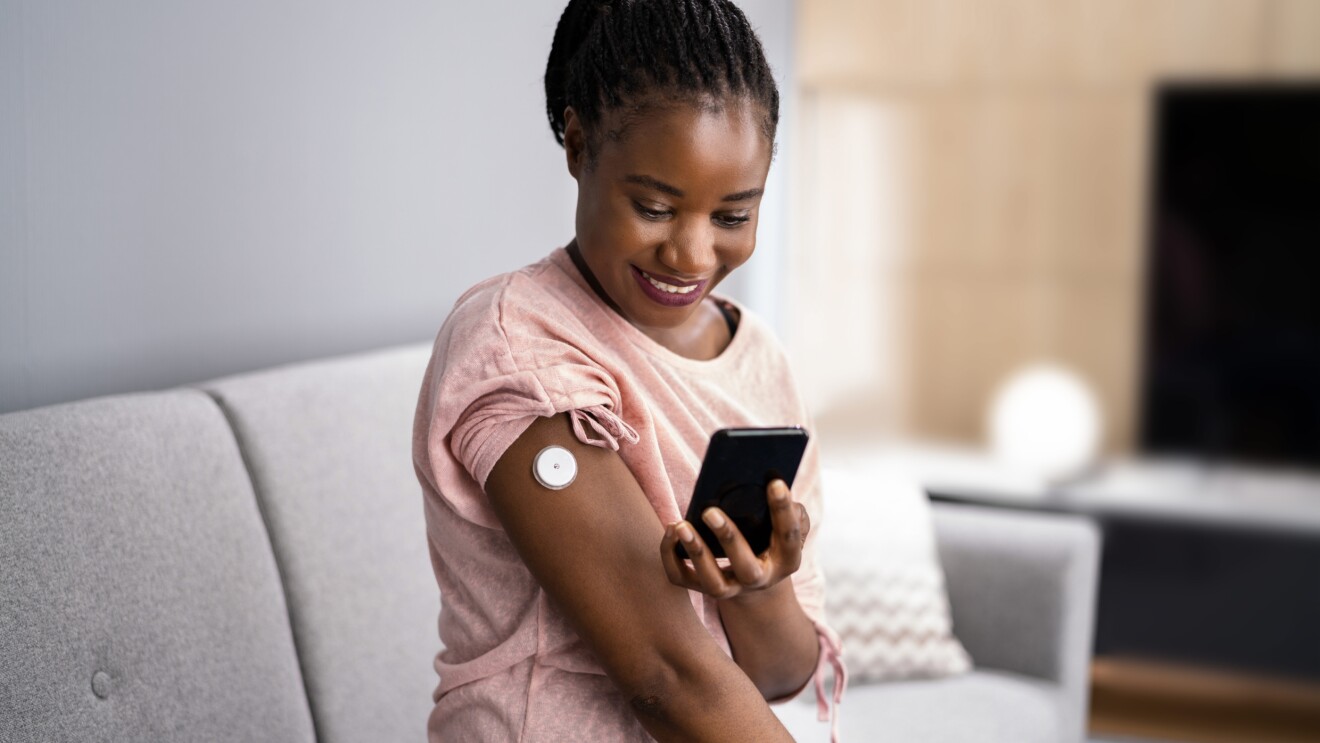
{"x":662,"y":684}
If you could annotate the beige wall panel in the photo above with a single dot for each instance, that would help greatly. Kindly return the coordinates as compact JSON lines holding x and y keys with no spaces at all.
{"x":986,"y":187}
{"x":1101,"y":161}
{"x":1048,"y":42}
{"x":1207,"y":38}
{"x":1011,"y":169}
{"x":1031,"y":183}
{"x":826,"y":48}
{"x":904,"y":43}
{"x":1016,"y":41}
{"x":1109,"y":42}
{"x":952,"y":42}
{"x":1292,"y":45}
{"x":861,"y":39}
{"x":1096,"y":332}
{"x":944,"y":186}
{"x":1017,"y":196}
{"x":967,"y":336}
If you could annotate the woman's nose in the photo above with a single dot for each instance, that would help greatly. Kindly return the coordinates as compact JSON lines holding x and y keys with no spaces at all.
{"x":690,"y":252}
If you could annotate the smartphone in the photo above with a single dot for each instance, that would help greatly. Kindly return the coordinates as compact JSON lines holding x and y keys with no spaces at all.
{"x":739,"y":464}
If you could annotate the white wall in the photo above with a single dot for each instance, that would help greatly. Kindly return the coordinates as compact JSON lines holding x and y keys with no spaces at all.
{"x":761,"y":282}
{"x":191,"y":190}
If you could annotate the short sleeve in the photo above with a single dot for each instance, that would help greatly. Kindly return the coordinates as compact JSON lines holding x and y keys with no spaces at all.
{"x":507,"y":404}
{"x":493,"y":373}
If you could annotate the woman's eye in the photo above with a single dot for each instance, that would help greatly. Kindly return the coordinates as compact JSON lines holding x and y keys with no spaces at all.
{"x":650,"y":213}
{"x":728,"y":220}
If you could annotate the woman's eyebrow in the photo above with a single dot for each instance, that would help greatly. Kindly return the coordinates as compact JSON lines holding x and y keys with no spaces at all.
{"x":658,"y":185}
{"x":744,"y":195}
{"x":661,"y":186}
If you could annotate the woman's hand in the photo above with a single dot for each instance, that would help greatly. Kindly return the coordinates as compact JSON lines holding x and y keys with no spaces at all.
{"x":746,"y":572}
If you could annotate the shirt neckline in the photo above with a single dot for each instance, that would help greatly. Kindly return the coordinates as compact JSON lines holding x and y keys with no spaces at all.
{"x":561,"y":259}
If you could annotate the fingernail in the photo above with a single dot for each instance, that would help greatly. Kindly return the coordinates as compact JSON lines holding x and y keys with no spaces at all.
{"x":713,"y":518}
{"x":685,"y":533}
{"x":780,"y":490}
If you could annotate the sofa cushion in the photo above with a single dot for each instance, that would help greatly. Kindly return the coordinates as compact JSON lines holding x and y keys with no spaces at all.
{"x":139,"y":598}
{"x":886,"y":595}
{"x":981,"y":706}
{"x":329,"y":447}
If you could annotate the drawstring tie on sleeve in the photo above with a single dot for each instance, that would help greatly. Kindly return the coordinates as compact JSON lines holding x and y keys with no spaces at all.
{"x":831,"y":653}
{"x":604,"y":422}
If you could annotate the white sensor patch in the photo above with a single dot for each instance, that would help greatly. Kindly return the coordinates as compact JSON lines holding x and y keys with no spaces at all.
{"x":554,"y":467}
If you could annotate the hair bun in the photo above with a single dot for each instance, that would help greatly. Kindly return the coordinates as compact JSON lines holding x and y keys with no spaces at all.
{"x":574,"y":25}
{"x":608,"y":53}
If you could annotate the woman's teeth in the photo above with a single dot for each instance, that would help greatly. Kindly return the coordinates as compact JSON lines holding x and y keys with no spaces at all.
{"x":662,"y":286}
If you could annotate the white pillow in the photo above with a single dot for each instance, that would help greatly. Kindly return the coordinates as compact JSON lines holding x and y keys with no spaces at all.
{"x":886,"y":596}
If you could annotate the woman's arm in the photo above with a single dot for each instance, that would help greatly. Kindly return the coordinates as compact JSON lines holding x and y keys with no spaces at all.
{"x":592,"y":548}
{"x":772,"y":639}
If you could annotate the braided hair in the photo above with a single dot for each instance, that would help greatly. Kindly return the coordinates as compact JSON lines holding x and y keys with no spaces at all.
{"x":627,"y":55}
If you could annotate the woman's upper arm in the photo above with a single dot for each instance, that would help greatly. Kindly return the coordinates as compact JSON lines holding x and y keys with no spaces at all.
{"x":594,"y":547}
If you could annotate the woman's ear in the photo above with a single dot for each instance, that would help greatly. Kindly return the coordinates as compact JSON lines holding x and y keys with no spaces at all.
{"x":575,"y":142}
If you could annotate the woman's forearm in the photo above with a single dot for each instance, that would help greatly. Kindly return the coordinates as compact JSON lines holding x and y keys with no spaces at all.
{"x":700,"y":700}
{"x":772,"y":639}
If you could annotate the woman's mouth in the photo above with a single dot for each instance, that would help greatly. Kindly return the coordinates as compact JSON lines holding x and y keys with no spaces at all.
{"x":668,"y":294}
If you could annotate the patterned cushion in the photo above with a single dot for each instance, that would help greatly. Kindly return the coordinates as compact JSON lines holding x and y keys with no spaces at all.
{"x":886,"y":594}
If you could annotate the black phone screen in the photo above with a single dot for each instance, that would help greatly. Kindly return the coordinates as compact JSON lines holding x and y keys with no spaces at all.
{"x":739,"y":464}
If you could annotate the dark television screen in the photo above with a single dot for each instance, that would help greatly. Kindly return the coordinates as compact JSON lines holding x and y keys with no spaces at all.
{"x":1232,"y":326}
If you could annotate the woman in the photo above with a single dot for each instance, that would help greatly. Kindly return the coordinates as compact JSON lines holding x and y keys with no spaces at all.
{"x":567,"y":615}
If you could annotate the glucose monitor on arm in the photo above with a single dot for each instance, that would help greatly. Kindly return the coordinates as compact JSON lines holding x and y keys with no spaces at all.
{"x":554,"y":467}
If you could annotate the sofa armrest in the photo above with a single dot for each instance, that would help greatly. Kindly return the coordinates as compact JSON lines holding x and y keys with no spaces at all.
{"x":1022,"y":590}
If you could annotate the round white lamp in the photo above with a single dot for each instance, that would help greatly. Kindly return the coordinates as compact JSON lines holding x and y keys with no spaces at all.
{"x":1045,"y":421}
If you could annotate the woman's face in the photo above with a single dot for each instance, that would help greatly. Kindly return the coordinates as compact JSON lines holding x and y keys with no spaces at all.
{"x":669,"y":209}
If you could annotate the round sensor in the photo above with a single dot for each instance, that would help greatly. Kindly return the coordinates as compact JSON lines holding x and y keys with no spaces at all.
{"x":554,"y":467}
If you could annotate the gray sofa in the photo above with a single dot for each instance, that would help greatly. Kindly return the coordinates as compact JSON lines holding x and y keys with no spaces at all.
{"x":1022,"y":590}
{"x":245,"y":560}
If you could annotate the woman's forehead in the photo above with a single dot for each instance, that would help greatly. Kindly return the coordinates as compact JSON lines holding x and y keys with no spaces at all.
{"x":724,"y":147}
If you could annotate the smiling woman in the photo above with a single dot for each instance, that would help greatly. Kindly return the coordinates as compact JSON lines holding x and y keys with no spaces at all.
{"x":567,"y":613}
{"x":665,"y":214}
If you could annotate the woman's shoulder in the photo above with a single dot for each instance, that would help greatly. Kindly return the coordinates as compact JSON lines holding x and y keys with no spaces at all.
{"x":526,"y":312}
{"x":492,"y":293}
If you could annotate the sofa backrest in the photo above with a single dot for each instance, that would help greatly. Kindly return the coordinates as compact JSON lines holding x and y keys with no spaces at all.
{"x":329,"y":448}
{"x":139,"y":596}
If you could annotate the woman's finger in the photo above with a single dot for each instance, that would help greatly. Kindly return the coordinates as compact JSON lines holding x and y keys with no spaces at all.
{"x":678,"y":572}
{"x":747,"y":568}
{"x":786,"y":547}
{"x":709,"y":575}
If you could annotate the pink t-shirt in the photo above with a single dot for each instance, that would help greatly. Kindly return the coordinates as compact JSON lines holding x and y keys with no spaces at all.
{"x":536,"y":342}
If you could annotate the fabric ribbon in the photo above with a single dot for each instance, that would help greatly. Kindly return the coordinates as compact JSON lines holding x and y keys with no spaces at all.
{"x":604,"y":422}
{"x":831,"y":652}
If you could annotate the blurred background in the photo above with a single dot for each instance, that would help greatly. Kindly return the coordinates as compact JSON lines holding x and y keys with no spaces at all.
{"x":1056,"y":254}
{"x":981,"y":175}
